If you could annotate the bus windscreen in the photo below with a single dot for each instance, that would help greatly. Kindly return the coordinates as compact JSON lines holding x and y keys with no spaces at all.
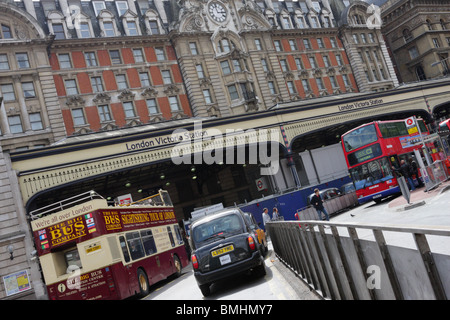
{"x":360,"y":137}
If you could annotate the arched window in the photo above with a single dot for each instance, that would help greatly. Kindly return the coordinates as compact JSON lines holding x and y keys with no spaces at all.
{"x":5,"y":32}
{"x":443,"y":25}
{"x":407,"y":36}
{"x":225,"y":45}
{"x":429,"y":25}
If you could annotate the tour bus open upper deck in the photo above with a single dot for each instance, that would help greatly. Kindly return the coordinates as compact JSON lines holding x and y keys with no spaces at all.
{"x":89,"y":250}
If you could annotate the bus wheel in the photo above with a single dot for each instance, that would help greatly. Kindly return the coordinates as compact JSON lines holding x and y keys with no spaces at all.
{"x":177,"y":264}
{"x":143,"y":283}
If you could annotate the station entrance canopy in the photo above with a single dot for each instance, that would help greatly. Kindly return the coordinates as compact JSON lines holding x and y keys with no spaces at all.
{"x":83,"y":157}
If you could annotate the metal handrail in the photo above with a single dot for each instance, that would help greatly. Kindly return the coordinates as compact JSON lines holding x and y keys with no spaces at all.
{"x":64,"y":204}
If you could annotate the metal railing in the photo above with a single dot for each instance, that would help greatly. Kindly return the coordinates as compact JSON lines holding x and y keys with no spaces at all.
{"x":339,"y":264}
{"x":434,"y":174}
{"x":64,"y":204}
{"x":332,"y":206}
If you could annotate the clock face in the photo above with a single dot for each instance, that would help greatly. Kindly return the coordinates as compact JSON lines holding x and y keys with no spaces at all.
{"x":217,"y":12}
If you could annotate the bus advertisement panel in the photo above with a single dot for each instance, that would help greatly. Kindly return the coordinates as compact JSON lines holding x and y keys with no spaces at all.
{"x":95,"y":251}
{"x":372,"y":149}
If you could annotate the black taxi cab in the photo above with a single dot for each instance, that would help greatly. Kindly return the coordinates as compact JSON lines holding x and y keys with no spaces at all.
{"x":224,"y":244}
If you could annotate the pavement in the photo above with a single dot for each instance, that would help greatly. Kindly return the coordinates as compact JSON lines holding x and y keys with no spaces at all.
{"x":418,"y":197}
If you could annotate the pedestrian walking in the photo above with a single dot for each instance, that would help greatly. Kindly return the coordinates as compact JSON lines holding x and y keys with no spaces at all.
{"x":266,"y":218}
{"x":404,"y":170}
{"x":317,"y":202}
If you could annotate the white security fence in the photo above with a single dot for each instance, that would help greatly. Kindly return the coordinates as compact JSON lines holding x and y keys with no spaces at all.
{"x":332,"y":205}
{"x":338,"y":263}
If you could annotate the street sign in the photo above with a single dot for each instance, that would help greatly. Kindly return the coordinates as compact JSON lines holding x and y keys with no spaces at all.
{"x":411,"y":125}
{"x":261,"y":184}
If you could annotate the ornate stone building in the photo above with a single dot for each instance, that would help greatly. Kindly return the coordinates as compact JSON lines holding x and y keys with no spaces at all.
{"x":418,"y":33}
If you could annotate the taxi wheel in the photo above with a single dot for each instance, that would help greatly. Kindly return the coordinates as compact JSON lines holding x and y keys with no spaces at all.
{"x":204,"y":288}
{"x":143,"y":283}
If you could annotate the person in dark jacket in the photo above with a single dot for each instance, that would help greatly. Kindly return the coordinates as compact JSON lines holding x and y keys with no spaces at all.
{"x":317,"y":202}
{"x":405,"y":170}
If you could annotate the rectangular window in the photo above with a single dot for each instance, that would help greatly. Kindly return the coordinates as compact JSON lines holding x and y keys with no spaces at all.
{"x":355,"y":38}
{"x":121,"y":80}
{"x":284,"y":65}
{"x":160,"y":55}
{"x":314,"y":22}
{"x":28,"y":90}
{"x":128,"y":108}
{"x":258,"y":44}
{"x":207,"y":96}
{"x":22,"y":60}
{"x":293,"y":45}
{"x":234,"y":95}
{"x":135,"y":244}
{"x":115,"y":57}
{"x":225,"y":65}
{"x":286,"y":23}
{"x":339,"y":60}
{"x":272,"y":87}
{"x":305,"y":85}
{"x":4,"y":64}
{"x":413,"y":53}
{"x":312,"y":62}
{"x":363,"y":38}
{"x":291,"y":87}
{"x":104,"y":113}
{"x":122,"y":7}
{"x":167,"y":78}
{"x":8,"y":92}
{"x":200,"y":72}
{"x":174,"y":105}
{"x":299,"y":63}
{"x":15,"y":124}
{"x":64,"y":61}
{"x":320,"y":43}
{"x":333,"y":42}
{"x":97,"y":85}
{"x":277,"y":44}
{"x":152,"y":107}
{"x":71,"y":87}
{"x":306,"y":44}
{"x":78,"y":117}
{"x":149,"y":242}
{"x":108,"y":29}
{"x":36,"y":121}
{"x":264,"y":65}
{"x":58,"y":31}
{"x":98,"y":6}
{"x":346,"y":81}
{"x":371,"y":37}
{"x":145,"y":79}
{"x":154,"y":28}
{"x":84,"y":30}
{"x":236,"y":65}
{"x":436,"y":43}
{"x":132,"y":28}
{"x":333,"y":82}
{"x":193,"y":48}
{"x":91,"y":60}
{"x":326,"y":61}
{"x":6,"y":32}
{"x":138,"y":55}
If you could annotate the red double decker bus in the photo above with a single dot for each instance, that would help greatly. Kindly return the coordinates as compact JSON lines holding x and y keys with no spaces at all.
{"x":89,"y":250}
{"x":372,"y":149}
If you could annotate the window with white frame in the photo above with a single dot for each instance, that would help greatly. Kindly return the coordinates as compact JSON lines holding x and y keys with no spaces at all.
{"x":291,"y":87}
{"x":284,"y":65}
{"x":8,"y":92}
{"x":36,"y":121}
{"x":85,"y":31}
{"x":225,"y":65}
{"x":121,"y":81}
{"x":312,"y":62}
{"x":108,"y":29}
{"x":200,"y":72}
{"x":98,"y":6}
{"x":22,"y":60}
{"x":4,"y":63}
{"x":160,"y":55}
{"x":154,"y":26}
{"x":28,"y":90}
{"x":152,"y":106}
{"x":174,"y":105}
{"x":293,"y":44}
{"x":315,"y":22}
{"x":71,"y":87}
{"x":193,"y":48}
{"x":64,"y":61}
{"x":145,"y":79}
{"x":277,"y":44}
{"x":104,"y":113}
{"x":299,"y":63}
{"x":138,"y":55}
{"x":78,"y":117}
{"x":320,"y":43}
{"x":207,"y":96}
{"x":15,"y":124}
{"x":301,"y":22}
{"x":58,"y":31}
{"x":122,"y":7}
{"x":132,"y":28}
{"x":232,"y":91}
{"x":167,"y":77}
{"x":91,"y":59}
{"x":115,"y":56}
{"x":286,"y":23}
{"x":128,"y":108}
{"x":97,"y":84}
